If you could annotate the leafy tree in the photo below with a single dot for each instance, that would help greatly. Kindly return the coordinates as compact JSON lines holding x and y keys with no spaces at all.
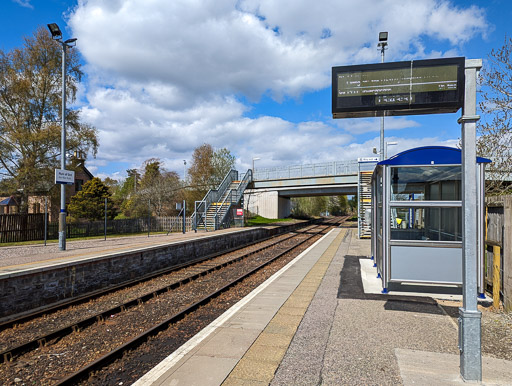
{"x":112,"y":184}
{"x":352,"y":204}
{"x":208,"y":169}
{"x":156,"y":186}
{"x":30,"y":108}
{"x":89,"y":203}
{"x":337,"y":205}
{"x":304,"y":207}
{"x":201,"y":169}
{"x":222,"y":162}
{"x":159,"y":187}
{"x":495,"y":128}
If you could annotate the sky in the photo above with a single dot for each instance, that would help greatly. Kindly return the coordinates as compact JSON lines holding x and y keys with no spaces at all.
{"x":254,"y":76}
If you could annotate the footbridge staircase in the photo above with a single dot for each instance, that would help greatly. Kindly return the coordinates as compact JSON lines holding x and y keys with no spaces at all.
{"x":214,"y":211}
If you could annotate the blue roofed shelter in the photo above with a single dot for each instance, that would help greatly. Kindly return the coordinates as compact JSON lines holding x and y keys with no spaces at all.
{"x":9,"y":205}
{"x":417,"y":217}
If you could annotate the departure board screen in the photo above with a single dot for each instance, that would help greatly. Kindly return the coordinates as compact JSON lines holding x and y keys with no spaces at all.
{"x":398,"y":88}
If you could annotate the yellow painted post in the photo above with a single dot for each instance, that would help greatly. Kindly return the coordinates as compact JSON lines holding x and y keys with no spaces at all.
{"x":496,"y":262}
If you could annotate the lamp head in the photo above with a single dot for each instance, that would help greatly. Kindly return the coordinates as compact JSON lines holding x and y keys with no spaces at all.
{"x":55,"y":31}
{"x":383,"y":37}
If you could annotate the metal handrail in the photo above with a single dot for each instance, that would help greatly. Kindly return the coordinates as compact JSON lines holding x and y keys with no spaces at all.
{"x":213,"y":195}
{"x":221,"y":206}
{"x":308,"y":170}
{"x":237,"y":193}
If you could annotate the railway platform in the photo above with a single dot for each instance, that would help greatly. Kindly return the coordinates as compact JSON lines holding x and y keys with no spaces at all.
{"x":313,"y":323}
{"x":39,"y":256}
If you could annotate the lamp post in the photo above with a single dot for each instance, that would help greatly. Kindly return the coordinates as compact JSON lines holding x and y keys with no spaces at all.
{"x":389,"y":144}
{"x":383,"y":43}
{"x":184,"y":169}
{"x":57,"y":36}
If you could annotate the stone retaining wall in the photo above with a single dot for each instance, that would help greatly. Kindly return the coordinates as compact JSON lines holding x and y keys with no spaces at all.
{"x":37,"y":288}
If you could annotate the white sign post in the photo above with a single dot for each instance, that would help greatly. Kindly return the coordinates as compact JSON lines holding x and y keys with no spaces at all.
{"x":64,"y":177}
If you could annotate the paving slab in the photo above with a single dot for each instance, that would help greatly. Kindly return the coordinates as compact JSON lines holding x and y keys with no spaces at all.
{"x":424,"y":368}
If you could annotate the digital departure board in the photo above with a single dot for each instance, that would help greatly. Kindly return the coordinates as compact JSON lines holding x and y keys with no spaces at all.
{"x":398,"y":88}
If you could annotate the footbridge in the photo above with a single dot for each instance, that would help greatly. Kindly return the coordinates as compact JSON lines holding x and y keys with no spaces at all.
{"x":271,"y":189}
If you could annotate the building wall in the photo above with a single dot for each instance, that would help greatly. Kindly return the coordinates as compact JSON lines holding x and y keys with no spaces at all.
{"x":36,"y":203}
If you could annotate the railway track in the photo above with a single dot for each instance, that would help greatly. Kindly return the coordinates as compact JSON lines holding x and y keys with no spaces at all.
{"x":188,"y":290}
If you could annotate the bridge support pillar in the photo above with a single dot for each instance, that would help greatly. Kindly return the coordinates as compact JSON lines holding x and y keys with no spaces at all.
{"x":267,"y":204}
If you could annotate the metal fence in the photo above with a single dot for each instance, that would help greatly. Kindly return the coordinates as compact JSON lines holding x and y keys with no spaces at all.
{"x":335,"y":168}
{"x":21,"y":229}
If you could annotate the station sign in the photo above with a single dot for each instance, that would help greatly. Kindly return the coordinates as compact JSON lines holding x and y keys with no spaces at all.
{"x":368,"y":159}
{"x":239,"y":212}
{"x":65,"y":177}
{"x":398,"y":88}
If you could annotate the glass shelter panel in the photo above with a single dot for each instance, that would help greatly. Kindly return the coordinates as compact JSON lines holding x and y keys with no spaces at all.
{"x":426,"y":183}
{"x":426,"y":223}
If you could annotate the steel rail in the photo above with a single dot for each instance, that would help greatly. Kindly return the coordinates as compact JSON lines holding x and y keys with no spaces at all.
{"x":12,"y":352}
{"x":97,"y":293}
{"x":106,"y":359}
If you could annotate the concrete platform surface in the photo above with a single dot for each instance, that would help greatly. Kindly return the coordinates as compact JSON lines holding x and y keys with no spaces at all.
{"x":426,"y":368}
{"x":312,"y":323}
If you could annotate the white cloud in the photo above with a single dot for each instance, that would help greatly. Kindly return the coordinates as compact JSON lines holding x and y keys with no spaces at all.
{"x":166,"y":76}
{"x":24,"y":3}
{"x":365,"y":125}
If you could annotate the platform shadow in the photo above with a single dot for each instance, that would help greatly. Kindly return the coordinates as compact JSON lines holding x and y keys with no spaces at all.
{"x":351,"y":287}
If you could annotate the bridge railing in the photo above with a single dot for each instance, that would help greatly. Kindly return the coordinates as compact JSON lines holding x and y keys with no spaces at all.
{"x":335,"y":168}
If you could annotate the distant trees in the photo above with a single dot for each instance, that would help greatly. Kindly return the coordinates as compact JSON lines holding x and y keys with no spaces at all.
{"x":89,"y":203}
{"x":30,"y":104}
{"x":155,"y":188}
{"x":316,"y":206}
{"x":308,"y":206}
{"x":495,"y":127}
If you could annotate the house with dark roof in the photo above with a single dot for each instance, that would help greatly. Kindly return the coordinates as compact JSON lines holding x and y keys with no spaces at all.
{"x":37,"y":202}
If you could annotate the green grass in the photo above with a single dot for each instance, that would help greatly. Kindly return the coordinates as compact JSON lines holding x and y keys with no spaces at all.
{"x":258,"y":220}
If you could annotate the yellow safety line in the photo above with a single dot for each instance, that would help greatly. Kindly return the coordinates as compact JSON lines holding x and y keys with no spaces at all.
{"x":261,"y":361}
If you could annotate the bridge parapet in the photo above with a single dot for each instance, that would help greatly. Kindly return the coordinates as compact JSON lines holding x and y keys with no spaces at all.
{"x":335,"y":168}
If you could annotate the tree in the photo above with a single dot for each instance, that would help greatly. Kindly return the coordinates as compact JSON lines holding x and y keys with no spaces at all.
{"x":222,"y":162}
{"x":89,"y":203}
{"x":156,"y":187}
{"x":337,"y":205}
{"x":201,"y":169}
{"x":495,"y":128}
{"x":30,"y":104}
{"x":308,"y":206}
{"x":208,"y":169}
{"x":159,"y":187}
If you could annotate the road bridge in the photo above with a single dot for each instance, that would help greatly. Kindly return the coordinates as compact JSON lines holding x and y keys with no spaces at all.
{"x":270,"y":192}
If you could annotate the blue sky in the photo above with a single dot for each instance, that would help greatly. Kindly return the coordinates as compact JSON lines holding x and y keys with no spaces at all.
{"x":250,"y":75}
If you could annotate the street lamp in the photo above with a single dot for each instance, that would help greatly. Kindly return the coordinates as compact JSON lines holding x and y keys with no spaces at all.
{"x":383,"y":44}
{"x":389,"y":144}
{"x":57,"y":36}
{"x":184,"y":169}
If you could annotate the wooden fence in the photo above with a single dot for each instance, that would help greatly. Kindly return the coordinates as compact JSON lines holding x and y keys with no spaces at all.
{"x":28,"y":227}
{"x":21,"y":227}
{"x":499,"y":233}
